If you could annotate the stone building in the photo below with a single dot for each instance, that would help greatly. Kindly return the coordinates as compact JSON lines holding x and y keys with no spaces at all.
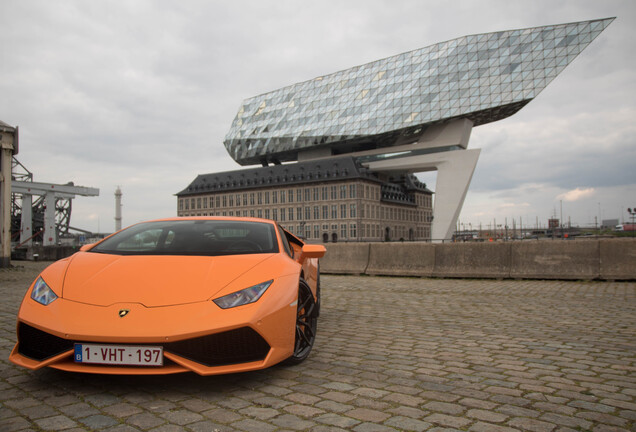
{"x":325,"y":200}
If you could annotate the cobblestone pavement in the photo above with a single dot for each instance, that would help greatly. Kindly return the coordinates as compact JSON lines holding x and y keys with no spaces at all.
{"x":392,"y":354}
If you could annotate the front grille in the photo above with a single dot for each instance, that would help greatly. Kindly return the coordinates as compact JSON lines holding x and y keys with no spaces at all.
{"x":39,"y":345}
{"x":232,"y":347}
{"x":235,"y":346}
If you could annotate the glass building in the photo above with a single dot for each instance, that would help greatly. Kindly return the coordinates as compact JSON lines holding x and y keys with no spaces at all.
{"x":483,"y":77}
{"x":408,"y":113}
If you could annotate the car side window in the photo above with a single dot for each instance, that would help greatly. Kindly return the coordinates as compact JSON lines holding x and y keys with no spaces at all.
{"x":285,"y":242}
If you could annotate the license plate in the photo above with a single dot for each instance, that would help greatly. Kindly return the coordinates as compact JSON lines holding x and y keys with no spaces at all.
{"x":127,"y":355}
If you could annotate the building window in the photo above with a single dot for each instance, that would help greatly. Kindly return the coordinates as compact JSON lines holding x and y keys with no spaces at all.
{"x":299,"y":195}
{"x":224,"y":201}
{"x":218,"y":202}
{"x":244,"y":199}
{"x":343,"y":231}
{"x":266,"y":197}
{"x":352,"y":210}
{"x":192,"y":201}
{"x":205,"y":203}
{"x":316,"y":194}
{"x":244,"y":213}
{"x":231,"y":200}
{"x":251,"y":213}
{"x":316,"y":231}
{"x":274,"y":197}
{"x":307,"y":213}
{"x":307,"y":194}
{"x":307,"y":231}
{"x":316,"y":212}
{"x":260,"y":213}
{"x":290,"y":195}
{"x":334,"y":212}
{"x":181,"y":204}
{"x":260,"y":198}
{"x":334,"y":192}
{"x":211,"y":202}
{"x":343,"y":191}
{"x":324,"y":193}
{"x":290,"y":213}
{"x":252,"y":199}
{"x":325,"y":212}
{"x":282,"y":215}
{"x":238,"y":200}
{"x":343,"y":211}
{"x":282,"y":197}
{"x":299,"y":213}
{"x":352,"y":191}
{"x":275,"y":214}
{"x":352,"y":230}
{"x":266,"y":213}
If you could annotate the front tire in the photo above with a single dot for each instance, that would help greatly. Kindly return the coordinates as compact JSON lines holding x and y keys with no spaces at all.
{"x":306,"y":324}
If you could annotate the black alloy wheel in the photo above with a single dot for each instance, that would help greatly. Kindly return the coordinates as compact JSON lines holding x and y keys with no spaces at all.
{"x":306,"y":324}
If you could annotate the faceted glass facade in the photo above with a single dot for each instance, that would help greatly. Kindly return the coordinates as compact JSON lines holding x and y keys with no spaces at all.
{"x":484,"y":77}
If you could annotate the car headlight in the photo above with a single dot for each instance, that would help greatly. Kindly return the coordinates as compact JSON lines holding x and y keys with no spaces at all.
{"x":243,"y":297}
{"x":42,"y":293}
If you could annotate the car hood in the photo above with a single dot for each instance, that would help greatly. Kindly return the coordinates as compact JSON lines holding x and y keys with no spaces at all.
{"x":103,"y":280}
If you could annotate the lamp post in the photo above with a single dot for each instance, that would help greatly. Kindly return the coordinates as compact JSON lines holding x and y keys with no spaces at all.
{"x":632,"y":213}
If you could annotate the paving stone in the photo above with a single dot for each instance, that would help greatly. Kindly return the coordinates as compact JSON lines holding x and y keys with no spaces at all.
{"x":566,"y":421}
{"x":368,"y":415}
{"x":372,"y":427}
{"x":488,"y":427}
{"x":249,"y":425}
{"x":54,"y":423}
{"x":182,"y":417}
{"x":444,"y":407}
{"x":145,"y":420}
{"x":446,"y":420}
{"x":289,"y":421}
{"x":303,"y":410}
{"x":96,"y":422}
{"x":532,"y":425}
{"x":485,"y":415}
{"x":407,"y":424}
{"x":222,"y":415}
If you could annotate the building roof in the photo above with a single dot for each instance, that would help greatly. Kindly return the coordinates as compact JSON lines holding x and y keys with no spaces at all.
{"x":483,"y":77}
{"x":6,"y":127}
{"x":300,"y":173}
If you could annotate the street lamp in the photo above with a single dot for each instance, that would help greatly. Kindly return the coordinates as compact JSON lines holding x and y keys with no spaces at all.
{"x":632,"y":213}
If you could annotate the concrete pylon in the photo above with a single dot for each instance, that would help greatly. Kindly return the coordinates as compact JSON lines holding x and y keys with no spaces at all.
{"x":443,"y":148}
{"x":454,"y":172}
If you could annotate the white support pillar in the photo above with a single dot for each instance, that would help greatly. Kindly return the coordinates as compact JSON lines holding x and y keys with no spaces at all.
{"x":50,"y":233}
{"x":441,"y":147}
{"x":26,"y":224}
{"x":454,"y":172}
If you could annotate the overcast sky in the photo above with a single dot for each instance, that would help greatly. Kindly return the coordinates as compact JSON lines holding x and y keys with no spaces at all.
{"x":140,"y":94}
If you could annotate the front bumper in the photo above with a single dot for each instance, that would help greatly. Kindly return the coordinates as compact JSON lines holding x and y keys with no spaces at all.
{"x":196,"y":337}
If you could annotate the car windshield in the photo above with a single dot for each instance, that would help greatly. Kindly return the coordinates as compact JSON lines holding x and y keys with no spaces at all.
{"x":192,"y":237}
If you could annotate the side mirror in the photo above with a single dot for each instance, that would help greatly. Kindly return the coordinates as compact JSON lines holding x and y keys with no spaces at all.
{"x":86,"y":247}
{"x":311,"y":251}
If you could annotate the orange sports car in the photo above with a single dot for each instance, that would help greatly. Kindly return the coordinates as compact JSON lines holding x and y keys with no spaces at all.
{"x":209,"y":295}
